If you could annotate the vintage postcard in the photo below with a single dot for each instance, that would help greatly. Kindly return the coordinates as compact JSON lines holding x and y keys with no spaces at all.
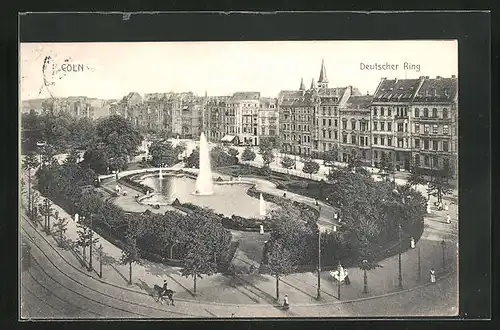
{"x":270,"y":179}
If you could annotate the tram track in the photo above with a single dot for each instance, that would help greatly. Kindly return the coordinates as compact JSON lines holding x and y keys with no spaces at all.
{"x":100,"y":293}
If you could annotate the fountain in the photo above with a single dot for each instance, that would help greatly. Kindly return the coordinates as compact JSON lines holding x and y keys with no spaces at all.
{"x":262,"y":206}
{"x":204,"y":184}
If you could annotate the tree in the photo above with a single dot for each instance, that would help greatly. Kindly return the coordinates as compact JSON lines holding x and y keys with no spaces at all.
{"x":310,"y":167}
{"x":60,"y":228}
{"x":221,"y":158}
{"x":354,"y":162}
{"x":130,"y":254}
{"x":29,"y":163}
{"x":266,"y":151}
{"x":287,"y":162}
{"x":163,"y":153}
{"x":90,"y":202}
{"x":83,"y":239}
{"x":248,"y":155}
{"x":199,"y":258}
{"x":193,"y":161}
{"x":233,"y":152}
{"x":118,"y":137}
{"x":280,"y":262}
{"x":180,"y":148}
{"x":416,"y":175}
{"x":331,"y":156}
{"x":440,"y":186}
{"x":46,"y":211}
{"x":386,"y":167}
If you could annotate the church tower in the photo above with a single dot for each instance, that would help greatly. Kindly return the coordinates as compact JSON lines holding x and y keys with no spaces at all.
{"x":302,"y":87}
{"x":323,"y":80}
{"x":313,"y":85}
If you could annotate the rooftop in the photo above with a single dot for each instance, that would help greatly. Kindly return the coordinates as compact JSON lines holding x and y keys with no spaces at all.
{"x":396,"y":90}
{"x":359,"y":102}
{"x":437,"y":90}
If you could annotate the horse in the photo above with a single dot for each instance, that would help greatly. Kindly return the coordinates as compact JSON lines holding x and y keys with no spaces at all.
{"x":160,"y":296}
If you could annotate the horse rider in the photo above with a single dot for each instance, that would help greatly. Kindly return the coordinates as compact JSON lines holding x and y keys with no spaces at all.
{"x":165,"y":288}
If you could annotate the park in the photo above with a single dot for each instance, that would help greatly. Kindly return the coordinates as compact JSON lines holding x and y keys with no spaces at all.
{"x":211,"y":210}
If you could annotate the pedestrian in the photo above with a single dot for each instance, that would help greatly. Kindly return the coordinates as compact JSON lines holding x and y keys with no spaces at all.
{"x":412,"y":242}
{"x":284,"y":195}
{"x":286,"y":303}
{"x":446,"y":207}
{"x":347,"y":281}
{"x":262,"y":229}
{"x":335,"y":216}
{"x":433,"y":275}
{"x":448,"y":219}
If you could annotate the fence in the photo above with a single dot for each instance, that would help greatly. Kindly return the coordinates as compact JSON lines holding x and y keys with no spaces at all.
{"x":297,"y":173}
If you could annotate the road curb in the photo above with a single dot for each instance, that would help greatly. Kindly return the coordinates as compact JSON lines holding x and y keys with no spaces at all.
{"x":200,"y":302}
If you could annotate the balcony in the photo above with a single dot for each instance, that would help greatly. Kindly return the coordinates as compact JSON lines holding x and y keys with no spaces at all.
{"x":432,"y":119}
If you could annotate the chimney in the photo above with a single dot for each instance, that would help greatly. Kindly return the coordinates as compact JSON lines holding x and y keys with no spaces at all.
{"x":438,"y":77}
{"x":453,"y":76}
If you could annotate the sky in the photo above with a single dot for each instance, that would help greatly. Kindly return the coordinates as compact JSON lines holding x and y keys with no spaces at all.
{"x":112,"y":70}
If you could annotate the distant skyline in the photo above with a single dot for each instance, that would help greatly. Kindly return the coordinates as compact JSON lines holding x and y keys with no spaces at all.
{"x":112,"y":70}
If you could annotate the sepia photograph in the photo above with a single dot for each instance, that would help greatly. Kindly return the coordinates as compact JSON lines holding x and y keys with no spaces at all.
{"x":238,"y":179}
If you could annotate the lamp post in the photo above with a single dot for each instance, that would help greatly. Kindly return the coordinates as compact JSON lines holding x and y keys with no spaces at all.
{"x":365,"y":276}
{"x":100,"y":260}
{"x":338,"y":284}
{"x":319,"y":263}
{"x":91,"y":240}
{"x":443,"y":246}
{"x":400,"y":278}
{"x":419,"y":266}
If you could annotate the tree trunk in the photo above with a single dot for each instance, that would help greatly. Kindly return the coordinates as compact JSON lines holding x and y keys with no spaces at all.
{"x":130,"y":273}
{"x":194,"y":283}
{"x":277,"y":287}
{"x":365,"y":289}
{"x":84,"y":254}
{"x":100,"y":267}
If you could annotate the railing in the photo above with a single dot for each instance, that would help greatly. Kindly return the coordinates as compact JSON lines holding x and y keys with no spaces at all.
{"x":278,"y":169}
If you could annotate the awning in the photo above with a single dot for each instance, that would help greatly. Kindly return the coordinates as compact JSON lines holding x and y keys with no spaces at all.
{"x":228,"y":138}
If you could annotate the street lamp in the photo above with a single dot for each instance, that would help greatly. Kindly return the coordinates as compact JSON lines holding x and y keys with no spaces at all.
{"x":400,"y":278}
{"x":91,"y":237}
{"x":338,"y":284}
{"x":419,"y":266}
{"x":365,"y":266}
{"x":443,"y":246}
{"x":319,"y":263}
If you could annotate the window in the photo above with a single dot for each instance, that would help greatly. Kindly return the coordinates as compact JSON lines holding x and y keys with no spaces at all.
{"x":381,"y":111}
{"x":363,"y":154}
{"x":324,"y":146}
{"x":446,"y":163}
{"x":344,"y":138}
{"x":446,"y":129}
{"x":426,"y":144}
{"x":417,"y":160}
{"x":389,"y":127}
{"x":435,"y":161}
{"x":445,"y":146}
{"x":375,"y":126}
{"x":389,"y":111}
{"x":335,"y":135}
{"x":324,"y":122}
{"x":324,"y":134}
{"x":435,"y":145}
{"x":344,"y":124}
{"x":426,"y":128}
{"x":329,"y":122}
{"x":426,"y":160}
{"x":375,"y":111}
{"x":445,"y":113}
{"x":406,"y":112}
{"x":406,"y":127}
{"x":400,"y":127}
{"x":382,"y":140}
{"x":329,"y":134}
{"x":336,"y":122}
{"x":434,"y":113}
{"x":353,"y":124}
{"x":417,"y":112}
{"x":400,"y":143}
{"x":434,"y":129}
{"x":382,"y":126}
{"x":426,"y":112}
{"x":353,"y":139}
{"x":375,"y":154}
{"x":389,"y":141}
{"x":417,"y":143}
{"x":375,"y":140}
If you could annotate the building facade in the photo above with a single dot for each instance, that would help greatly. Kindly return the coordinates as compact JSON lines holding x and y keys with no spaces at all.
{"x":434,"y":117}
{"x":355,"y":129}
